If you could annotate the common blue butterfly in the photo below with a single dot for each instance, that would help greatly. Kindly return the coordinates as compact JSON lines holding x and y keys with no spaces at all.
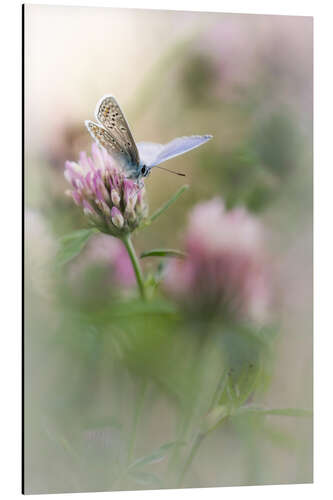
{"x":113,"y":133}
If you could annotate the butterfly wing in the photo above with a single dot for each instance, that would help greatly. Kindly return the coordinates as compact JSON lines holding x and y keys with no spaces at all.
{"x":104,"y":138}
{"x":148,"y":152}
{"x":107,"y":141}
{"x":109,"y":114}
{"x":177,"y":147}
{"x":152,"y":153}
{"x":113,"y":133}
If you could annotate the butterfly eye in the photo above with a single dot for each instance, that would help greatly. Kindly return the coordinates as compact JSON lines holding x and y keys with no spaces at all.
{"x":144,"y":170}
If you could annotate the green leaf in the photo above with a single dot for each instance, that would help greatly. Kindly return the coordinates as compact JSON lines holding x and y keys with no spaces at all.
{"x":213,"y":418}
{"x":283,"y":412}
{"x":125,"y":310}
{"x":163,"y":252}
{"x":166,"y":205}
{"x":138,"y":308}
{"x":218,"y":414}
{"x":72,"y":244}
{"x":156,"y":456}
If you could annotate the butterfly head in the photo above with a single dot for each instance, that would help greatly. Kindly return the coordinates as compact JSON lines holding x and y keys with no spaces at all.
{"x":144,"y":171}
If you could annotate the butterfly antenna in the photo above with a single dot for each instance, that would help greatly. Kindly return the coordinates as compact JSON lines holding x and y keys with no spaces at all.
{"x":171,"y":171}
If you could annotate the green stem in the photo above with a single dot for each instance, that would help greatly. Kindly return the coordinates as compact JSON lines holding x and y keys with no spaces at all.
{"x":190,"y":458}
{"x":190,"y":411}
{"x":181,"y":436}
{"x":200,"y":437}
{"x":137,"y":414}
{"x":166,"y":205}
{"x":135,"y":263}
{"x":218,"y":392}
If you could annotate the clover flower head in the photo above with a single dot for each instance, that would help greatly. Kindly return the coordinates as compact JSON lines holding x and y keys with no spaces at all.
{"x":113,"y":203}
{"x":225,"y":269}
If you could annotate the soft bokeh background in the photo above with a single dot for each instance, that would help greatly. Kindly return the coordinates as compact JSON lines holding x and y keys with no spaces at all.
{"x":245,"y":79}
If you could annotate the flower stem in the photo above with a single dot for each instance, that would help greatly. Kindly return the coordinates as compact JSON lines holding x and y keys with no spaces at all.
{"x":135,"y":263}
{"x":137,"y":414}
{"x":189,"y":415}
{"x":166,"y":205}
{"x":189,"y":460}
{"x":200,"y":437}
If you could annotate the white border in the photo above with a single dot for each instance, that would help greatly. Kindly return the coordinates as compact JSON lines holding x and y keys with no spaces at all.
{"x":282,"y":7}
{"x":11,"y":246}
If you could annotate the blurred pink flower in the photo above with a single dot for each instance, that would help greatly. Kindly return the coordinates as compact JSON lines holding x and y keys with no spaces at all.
{"x":274,"y":51}
{"x":113,"y":203}
{"x":233,"y":51}
{"x":66,"y":140}
{"x":225,"y":269}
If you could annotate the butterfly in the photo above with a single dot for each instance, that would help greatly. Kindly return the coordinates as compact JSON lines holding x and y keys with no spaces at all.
{"x":137,"y":159}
